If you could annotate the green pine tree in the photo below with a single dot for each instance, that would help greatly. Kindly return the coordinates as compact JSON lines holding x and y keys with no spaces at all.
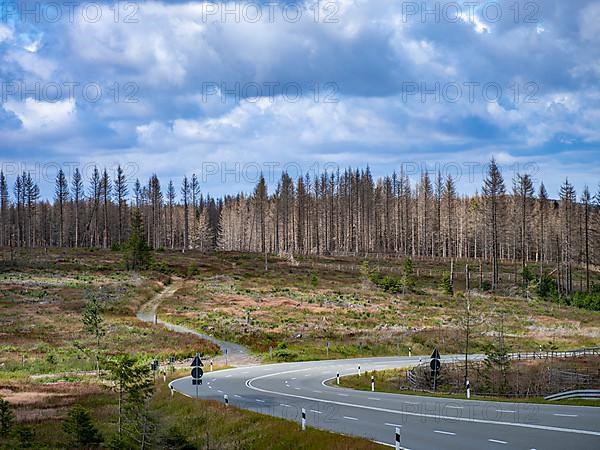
{"x":82,"y":432}
{"x":137,"y":251}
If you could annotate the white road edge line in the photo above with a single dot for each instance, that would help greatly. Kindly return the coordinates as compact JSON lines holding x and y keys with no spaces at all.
{"x":407,"y":413}
{"x":393,"y":425}
{"x":444,"y":432}
{"x":350,"y":418}
{"x":565,"y":415}
{"x":496,"y":441}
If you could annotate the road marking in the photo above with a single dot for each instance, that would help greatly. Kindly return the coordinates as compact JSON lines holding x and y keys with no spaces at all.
{"x":210,"y":387}
{"x":315,"y":411}
{"x":496,"y":441}
{"x":307,"y":375}
{"x":565,"y":415}
{"x":505,"y":411}
{"x":237,"y":396}
{"x":294,"y":378}
{"x":373,"y":398}
{"x":220,"y":391}
{"x":260,"y":401}
{"x":393,"y":425}
{"x":343,"y":395}
{"x":454,"y":407}
{"x":228,"y":376}
{"x":408,"y":413}
{"x":245,"y":372}
{"x":444,"y":432}
{"x":297,"y":389}
{"x":411,"y":403}
{"x":318,"y":392}
{"x":350,"y":418}
{"x":284,"y":405}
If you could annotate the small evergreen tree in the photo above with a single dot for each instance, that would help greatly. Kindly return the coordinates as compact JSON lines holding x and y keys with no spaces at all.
{"x":6,"y":417}
{"x":407,"y":275}
{"x":446,"y":284}
{"x":82,"y":432}
{"x":93,"y":323}
{"x":137,"y":250}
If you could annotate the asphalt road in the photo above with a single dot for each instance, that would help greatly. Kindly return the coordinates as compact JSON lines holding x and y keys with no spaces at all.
{"x":425,"y":422}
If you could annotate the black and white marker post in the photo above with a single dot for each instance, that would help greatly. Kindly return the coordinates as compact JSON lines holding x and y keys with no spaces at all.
{"x":468,"y":389}
{"x":337,"y":378}
{"x":359,"y":370}
{"x":372,"y":383}
{"x":303,"y":419}
{"x":226,"y":359}
{"x":197,"y":372}
{"x":226,"y":399}
{"x":397,"y":438}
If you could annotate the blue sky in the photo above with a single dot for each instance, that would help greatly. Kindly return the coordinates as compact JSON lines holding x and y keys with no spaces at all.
{"x":369,"y":60}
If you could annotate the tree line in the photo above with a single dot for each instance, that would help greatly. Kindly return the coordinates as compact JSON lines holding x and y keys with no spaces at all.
{"x":337,"y":213}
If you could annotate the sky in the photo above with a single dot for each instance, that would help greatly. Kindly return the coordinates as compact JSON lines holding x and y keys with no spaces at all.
{"x":230,"y":90}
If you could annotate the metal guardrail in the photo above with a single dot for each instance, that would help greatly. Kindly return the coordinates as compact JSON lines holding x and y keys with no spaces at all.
{"x":580,"y":393}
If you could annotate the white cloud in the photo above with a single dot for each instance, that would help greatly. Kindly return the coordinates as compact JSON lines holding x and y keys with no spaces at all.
{"x":42,"y":117}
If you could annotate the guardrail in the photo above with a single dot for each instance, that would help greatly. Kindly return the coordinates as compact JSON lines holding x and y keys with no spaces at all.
{"x":580,"y":393}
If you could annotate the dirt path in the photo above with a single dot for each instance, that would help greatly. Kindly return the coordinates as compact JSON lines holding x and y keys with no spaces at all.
{"x":237,"y":355}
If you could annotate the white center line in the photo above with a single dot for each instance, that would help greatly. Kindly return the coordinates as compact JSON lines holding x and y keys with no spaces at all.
{"x":565,"y":415}
{"x":496,"y":441}
{"x":454,"y":407}
{"x":297,"y":389}
{"x":315,"y":411}
{"x":343,"y":395}
{"x":373,"y":398}
{"x":411,"y":403}
{"x":318,"y":392}
{"x":237,"y":396}
{"x":284,"y":405}
{"x":504,"y":411}
{"x":220,"y":391}
{"x":228,"y":376}
{"x":444,"y":432}
{"x":393,"y":425}
{"x":260,"y":401}
{"x":350,"y":418}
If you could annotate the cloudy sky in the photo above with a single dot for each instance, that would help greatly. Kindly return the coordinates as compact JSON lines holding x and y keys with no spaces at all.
{"x":229,"y":90}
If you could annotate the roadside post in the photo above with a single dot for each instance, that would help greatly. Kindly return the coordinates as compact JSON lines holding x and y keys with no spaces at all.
{"x":359,"y":370}
{"x":397,"y":438}
{"x":372,"y":383}
{"x":226,"y":399}
{"x":226,"y":357}
{"x":468,"y":389}
{"x":409,"y":352}
{"x":303,"y":419}
{"x":337,"y":378}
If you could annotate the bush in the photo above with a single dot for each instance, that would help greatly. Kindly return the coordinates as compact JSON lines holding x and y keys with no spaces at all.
{"x":486,"y":286}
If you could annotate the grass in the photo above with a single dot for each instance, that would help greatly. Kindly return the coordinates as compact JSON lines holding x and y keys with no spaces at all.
{"x":179,"y":421}
{"x":295,"y":310}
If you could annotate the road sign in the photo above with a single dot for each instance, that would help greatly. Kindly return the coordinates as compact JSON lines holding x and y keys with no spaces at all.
{"x":435,"y":364}
{"x":197,"y":372}
{"x":197,"y":362}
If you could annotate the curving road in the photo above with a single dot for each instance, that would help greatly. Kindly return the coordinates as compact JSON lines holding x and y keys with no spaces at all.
{"x":425,"y":422}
